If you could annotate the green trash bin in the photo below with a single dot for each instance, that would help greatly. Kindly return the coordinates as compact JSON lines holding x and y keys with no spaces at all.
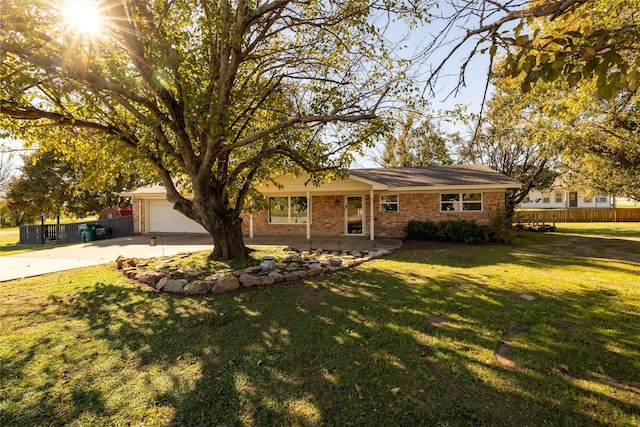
{"x":88,"y":232}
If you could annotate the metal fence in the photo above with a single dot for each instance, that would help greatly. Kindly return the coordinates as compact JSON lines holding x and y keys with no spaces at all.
{"x":70,"y":233}
{"x":577,"y":215}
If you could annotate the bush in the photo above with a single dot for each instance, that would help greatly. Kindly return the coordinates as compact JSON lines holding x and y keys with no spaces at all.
{"x":418,"y":230}
{"x":499,"y":225}
{"x":460,"y":230}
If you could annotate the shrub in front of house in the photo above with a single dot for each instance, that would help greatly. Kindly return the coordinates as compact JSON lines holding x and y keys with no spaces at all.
{"x":460,"y":230}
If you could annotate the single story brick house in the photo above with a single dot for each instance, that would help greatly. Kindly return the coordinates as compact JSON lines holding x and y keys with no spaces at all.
{"x":370,"y":202}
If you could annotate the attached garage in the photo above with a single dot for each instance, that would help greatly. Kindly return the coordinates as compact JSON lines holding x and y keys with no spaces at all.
{"x":164,"y":219}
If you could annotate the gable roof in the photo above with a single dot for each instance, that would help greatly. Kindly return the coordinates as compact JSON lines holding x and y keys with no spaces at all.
{"x":435,"y":177}
{"x":427,"y":178}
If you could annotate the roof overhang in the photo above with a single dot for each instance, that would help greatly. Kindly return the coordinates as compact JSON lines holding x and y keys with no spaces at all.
{"x":375,"y":186}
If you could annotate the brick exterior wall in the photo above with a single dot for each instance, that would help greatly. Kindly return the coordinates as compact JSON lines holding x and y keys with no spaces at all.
{"x":328,"y":219}
{"x":139,"y":214}
{"x":426,"y":207}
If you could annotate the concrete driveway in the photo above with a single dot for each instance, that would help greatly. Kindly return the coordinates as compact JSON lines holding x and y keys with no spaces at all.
{"x":63,"y":258}
{"x":104,"y":251}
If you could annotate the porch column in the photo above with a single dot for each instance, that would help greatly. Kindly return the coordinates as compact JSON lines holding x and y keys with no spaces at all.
{"x":371,"y":221}
{"x":251,"y":225}
{"x":308,"y":215}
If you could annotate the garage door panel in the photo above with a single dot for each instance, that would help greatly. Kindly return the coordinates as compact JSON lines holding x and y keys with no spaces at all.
{"x":164,"y":219}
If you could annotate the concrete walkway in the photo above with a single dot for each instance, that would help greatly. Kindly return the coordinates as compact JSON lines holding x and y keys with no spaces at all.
{"x":64,"y":258}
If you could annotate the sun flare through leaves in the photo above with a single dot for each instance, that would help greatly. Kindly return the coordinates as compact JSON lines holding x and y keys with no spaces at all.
{"x":83,"y":16}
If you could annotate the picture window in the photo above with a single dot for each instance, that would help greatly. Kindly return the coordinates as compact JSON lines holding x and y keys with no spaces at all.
{"x":457,"y":202}
{"x":287,"y":210}
{"x":389,"y":203}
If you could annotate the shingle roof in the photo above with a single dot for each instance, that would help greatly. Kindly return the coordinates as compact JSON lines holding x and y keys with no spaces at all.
{"x":436,"y":176}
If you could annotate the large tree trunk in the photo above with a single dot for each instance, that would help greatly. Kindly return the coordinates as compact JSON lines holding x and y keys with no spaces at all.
{"x":228,"y":242}
{"x":219,"y":220}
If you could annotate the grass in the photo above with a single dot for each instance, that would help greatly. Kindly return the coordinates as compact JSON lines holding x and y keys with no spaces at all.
{"x":10,"y":245}
{"x":433,"y":335}
{"x":616,"y":229}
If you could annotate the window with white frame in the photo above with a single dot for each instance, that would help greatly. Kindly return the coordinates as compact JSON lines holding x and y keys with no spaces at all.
{"x":456,"y":202}
{"x":389,"y":203}
{"x":546,"y":197}
{"x":601,"y":198}
{"x":558,"y":196}
{"x":288,"y":210}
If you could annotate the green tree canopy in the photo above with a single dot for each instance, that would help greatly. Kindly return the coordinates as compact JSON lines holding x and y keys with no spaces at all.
{"x":515,"y":141}
{"x":51,"y":184}
{"x":578,"y":64}
{"x":590,"y":100}
{"x":542,"y":40}
{"x":415,"y":142}
{"x":217,"y":95}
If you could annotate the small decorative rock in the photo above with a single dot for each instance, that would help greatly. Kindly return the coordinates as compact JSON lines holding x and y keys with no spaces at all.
{"x":247,"y":280}
{"x":294,"y":276}
{"x":171,"y":285}
{"x":225,"y":284}
{"x":123,"y":262}
{"x":193,"y":274}
{"x":293,"y":266}
{"x":130,"y":272}
{"x":277,"y":277}
{"x":292,"y":258}
{"x":267,"y":280}
{"x":149,"y":277}
{"x":198,"y":287}
{"x":214,"y":277}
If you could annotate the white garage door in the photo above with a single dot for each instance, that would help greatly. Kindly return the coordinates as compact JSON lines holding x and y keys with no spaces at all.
{"x":164,"y":219}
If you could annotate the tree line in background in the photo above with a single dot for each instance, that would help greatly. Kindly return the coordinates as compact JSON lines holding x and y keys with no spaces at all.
{"x":215,"y":96}
{"x":49,"y":184}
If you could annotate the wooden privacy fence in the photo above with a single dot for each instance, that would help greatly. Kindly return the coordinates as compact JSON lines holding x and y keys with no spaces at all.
{"x":577,"y":215}
{"x":70,"y":233}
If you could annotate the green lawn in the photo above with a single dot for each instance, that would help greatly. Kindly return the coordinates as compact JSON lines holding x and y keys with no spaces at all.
{"x":616,"y":229}
{"x":544,"y":332}
{"x":10,"y":245}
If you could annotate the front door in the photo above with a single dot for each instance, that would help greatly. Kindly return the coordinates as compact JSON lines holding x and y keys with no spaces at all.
{"x":354,"y":216}
{"x":573,"y":200}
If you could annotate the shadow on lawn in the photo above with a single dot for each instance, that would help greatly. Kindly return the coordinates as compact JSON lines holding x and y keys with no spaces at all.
{"x":367,"y":347}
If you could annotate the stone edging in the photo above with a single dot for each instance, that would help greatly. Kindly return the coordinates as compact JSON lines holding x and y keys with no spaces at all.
{"x":294,"y":267}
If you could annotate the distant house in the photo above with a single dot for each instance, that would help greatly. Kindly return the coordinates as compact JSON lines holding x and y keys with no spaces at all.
{"x":370,"y":202}
{"x":560,"y":197}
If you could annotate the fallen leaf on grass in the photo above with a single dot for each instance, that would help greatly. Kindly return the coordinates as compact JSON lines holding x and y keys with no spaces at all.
{"x":86,"y":339}
{"x":395,"y":390}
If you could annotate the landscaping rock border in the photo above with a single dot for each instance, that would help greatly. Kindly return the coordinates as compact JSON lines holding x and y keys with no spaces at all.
{"x":295,"y":266}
